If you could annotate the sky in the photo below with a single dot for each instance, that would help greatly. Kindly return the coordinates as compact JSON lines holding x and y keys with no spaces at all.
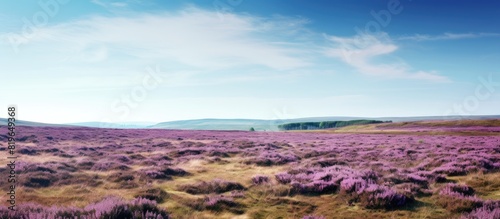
{"x":66,"y":61}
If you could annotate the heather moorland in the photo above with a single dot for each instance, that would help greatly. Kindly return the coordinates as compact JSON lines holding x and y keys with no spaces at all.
{"x":397,"y":170}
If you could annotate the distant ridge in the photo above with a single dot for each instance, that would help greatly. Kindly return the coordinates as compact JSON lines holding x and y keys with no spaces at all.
{"x":126,"y":125}
{"x":29,"y":123}
{"x":272,"y":125}
{"x":240,"y":124}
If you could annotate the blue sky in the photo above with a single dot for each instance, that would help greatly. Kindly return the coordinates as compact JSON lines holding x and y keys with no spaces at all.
{"x":115,"y":61}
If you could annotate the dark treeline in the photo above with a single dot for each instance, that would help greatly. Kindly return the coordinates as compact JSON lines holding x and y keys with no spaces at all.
{"x":325,"y":124}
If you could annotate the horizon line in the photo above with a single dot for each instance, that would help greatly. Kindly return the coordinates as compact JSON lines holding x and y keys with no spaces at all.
{"x":363,"y":117}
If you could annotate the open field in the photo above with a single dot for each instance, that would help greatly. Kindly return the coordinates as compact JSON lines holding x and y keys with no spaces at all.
{"x":398,"y":170}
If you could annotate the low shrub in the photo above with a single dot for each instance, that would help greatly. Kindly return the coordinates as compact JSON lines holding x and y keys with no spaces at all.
{"x":313,"y":217}
{"x":459,"y":204}
{"x":489,"y":210}
{"x":108,"y":208}
{"x":138,"y":208}
{"x":283,"y":178}
{"x":272,"y":158}
{"x":120,"y":177}
{"x":260,"y":179}
{"x":174,"y":171}
{"x":107,"y":166}
{"x":217,"y":203}
{"x":121,"y":159}
{"x":164,"y":174}
{"x":155,"y":174}
{"x":82,"y":179}
{"x":154,"y":194}
{"x":450,"y":170}
{"x":371,"y":195}
{"x":85,"y":165}
{"x":314,"y":188}
{"x":383,"y":198}
{"x":215,"y":186}
{"x":279,"y":190}
{"x":458,"y":198}
{"x":413,"y":190}
{"x":329,"y":162}
{"x":28,"y":151}
{"x":38,"y":179}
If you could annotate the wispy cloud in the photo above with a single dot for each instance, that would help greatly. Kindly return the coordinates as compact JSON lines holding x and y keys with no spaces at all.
{"x":359,"y":52}
{"x":196,"y":40}
{"x":192,"y":37}
{"x":113,"y":50}
{"x":448,"y":36}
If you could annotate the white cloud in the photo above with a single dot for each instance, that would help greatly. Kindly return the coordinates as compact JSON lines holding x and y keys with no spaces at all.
{"x":192,"y":37}
{"x":359,"y":52}
{"x":197,"y":40}
{"x":448,"y":36}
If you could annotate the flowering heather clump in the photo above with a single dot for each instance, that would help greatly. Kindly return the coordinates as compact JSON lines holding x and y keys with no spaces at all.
{"x":456,"y":189}
{"x":155,"y":194}
{"x":138,"y":208}
{"x":329,"y":162}
{"x":162,"y":174}
{"x":458,"y":198}
{"x":273,"y":158}
{"x":283,"y":178}
{"x":439,"y":179}
{"x":382,"y":197}
{"x":353,"y":185}
{"x":217,"y":203}
{"x":417,"y":179}
{"x":85,"y":164}
{"x":450,"y":170}
{"x":214,"y":202}
{"x":109,"y":208}
{"x":323,"y":180}
{"x":121,"y":159}
{"x":260,"y":179}
{"x":214,"y":186}
{"x":371,"y":195}
{"x":413,"y":190}
{"x":44,"y":174}
{"x":163,"y":144}
{"x":155,"y":174}
{"x":38,"y":180}
{"x":237,"y":194}
{"x":313,"y":217}
{"x":120,"y":177}
{"x":490,"y":210}
{"x":159,"y":157}
{"x":107,"y":165}
{"x":187,"y":152}
{"x":316,"y":187}
{"x":27,"y":167}
{"x":174,"y":171}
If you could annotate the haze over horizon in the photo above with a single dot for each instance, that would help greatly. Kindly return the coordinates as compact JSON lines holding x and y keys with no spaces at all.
{"x":121,"y":61}
{"x":315,"y":118}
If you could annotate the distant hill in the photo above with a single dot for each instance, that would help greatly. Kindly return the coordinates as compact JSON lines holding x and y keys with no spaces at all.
{"x":220,"y":124}
{"x":29,"y":123}
{"x":242,"y":124}
{"x":272,"y":125}
{"x":128,"y":125}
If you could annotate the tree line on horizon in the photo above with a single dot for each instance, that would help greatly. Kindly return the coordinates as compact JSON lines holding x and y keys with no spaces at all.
{"x":326,"y":124}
